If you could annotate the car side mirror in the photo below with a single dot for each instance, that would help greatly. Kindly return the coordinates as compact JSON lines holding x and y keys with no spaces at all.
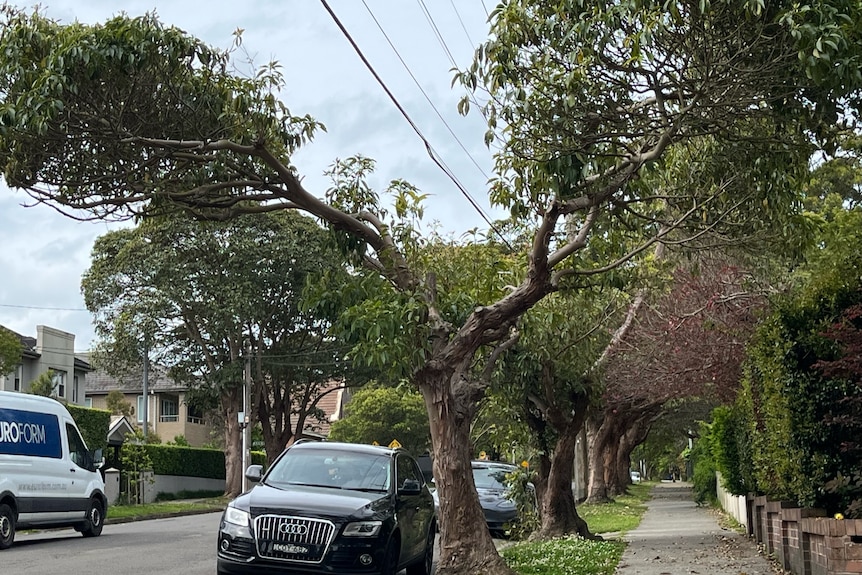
{"x":410,"y":487}
{"x":254,"y":473}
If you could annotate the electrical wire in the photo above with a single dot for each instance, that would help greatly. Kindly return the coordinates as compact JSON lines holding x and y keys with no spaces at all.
{"x":433,"y":27}
{"x":421,"y":89}
{"x":429,"y":149}
{"x":463,"y":26}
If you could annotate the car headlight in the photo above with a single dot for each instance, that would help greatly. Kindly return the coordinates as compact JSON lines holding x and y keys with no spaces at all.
{"x":236,"y":516}
{"x":363,"y":529}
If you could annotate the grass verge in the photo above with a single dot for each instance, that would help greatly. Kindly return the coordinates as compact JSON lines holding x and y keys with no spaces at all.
{"x":120,"y":513}
{"x":571,"y":554}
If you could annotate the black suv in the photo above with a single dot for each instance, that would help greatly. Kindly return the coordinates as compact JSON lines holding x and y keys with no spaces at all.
{"x":331,"y":508}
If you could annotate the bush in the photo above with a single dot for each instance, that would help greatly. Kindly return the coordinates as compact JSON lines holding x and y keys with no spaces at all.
{"x":187,"y":461}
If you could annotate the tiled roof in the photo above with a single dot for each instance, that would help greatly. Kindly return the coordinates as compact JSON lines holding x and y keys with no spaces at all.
{"x":100,"y":382}
{"x":332,"y":404}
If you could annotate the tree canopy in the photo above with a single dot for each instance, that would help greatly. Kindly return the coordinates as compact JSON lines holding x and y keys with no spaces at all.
{"x":10,"y":350}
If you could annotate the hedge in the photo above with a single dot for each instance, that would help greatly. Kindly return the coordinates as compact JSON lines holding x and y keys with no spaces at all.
{"x":94,"y":425}
{"x":187,"y":461}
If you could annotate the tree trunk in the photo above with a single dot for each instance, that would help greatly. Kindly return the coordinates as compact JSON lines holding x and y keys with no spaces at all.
{"x":598,"y":436}
{"x":466,"y":547}
{"x":231,"y":401}
{"x":559,"y":512}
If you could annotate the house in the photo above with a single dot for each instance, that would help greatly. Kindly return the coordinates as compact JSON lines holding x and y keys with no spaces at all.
{"x":168,"y":412}
{"x":52,"y":350}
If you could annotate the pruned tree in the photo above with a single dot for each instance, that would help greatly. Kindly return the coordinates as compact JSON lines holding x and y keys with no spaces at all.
{"x":133,"y":118}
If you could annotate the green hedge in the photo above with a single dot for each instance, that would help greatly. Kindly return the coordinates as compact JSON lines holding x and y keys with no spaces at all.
{"x":187,"y":461}
{"x":258,"y":458}
{"x":93,"y":424}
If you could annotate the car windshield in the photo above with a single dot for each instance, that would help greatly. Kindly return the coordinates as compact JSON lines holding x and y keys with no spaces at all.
{"x":490,"y":477}
{"x":330,"y":468}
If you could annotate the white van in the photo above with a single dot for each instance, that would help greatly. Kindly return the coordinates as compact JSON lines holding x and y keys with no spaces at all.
{"x":48,"y":478}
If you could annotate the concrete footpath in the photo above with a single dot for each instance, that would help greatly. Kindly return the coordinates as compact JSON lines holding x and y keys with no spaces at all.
{"x":676,"y":537}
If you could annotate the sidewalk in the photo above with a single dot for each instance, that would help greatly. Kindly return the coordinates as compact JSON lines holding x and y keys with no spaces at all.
{"x":676,"y":537}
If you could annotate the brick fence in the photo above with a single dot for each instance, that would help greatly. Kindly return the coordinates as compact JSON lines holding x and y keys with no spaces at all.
{"x":804,"y":541}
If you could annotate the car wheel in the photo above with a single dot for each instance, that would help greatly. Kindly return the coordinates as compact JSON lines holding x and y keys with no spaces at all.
{"x":390,"y":558}
{"x":95,"y":519}
{"x":423,"y":567}
{"x":7,"y":526}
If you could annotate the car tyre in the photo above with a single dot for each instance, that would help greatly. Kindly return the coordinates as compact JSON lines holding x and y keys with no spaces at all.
{"x":92,"y":526}
{"x":423,"y":567}
{"x":390,"y":558}
{"x":7,"y":526}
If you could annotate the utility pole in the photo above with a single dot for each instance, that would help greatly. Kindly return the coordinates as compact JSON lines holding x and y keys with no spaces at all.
{"x":244,"y":426}
{"x":146,"y":382}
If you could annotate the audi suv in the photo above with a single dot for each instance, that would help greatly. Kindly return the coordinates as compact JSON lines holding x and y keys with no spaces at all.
{"x":331,"y":508}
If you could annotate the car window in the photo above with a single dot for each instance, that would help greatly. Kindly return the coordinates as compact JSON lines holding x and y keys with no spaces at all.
{"x":407,"y":469}
{"x":77,"y":450}
{"x":490,"y":477}
{"x":330,"y":468}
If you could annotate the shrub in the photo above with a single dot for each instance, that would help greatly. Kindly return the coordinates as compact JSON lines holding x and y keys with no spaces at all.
{"x":187,"y":461}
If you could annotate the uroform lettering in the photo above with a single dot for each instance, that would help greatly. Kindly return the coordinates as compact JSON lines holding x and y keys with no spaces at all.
{"x":19,"y":432}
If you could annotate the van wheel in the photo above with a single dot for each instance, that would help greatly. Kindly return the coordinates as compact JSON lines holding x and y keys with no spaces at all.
{"x":95,"y":519}
{"x":7,"y":526}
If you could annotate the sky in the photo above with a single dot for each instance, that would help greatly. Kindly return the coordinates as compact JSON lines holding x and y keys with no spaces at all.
{"x":43,"y":254}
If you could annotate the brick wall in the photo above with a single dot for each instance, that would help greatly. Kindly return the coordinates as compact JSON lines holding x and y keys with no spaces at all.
{"x":804,"y":541}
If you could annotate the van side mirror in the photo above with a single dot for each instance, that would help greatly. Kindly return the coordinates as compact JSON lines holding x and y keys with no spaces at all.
{"x":254,"y":473}
{"x":98,"y":458}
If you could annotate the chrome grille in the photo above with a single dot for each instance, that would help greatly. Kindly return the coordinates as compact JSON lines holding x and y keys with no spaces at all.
{"x":288,"y":538}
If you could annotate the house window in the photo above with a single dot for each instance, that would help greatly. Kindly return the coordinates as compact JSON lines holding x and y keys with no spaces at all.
{"x":75,"y":389}
{"x":88,"y":402}
{"x":170,"y":410}
{"x":18,"y":371}
{"x":58,"y":378}
{"x":140,"y":409}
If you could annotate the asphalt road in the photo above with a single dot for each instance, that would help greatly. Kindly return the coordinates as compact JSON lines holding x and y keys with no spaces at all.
{"x":178,"y":545}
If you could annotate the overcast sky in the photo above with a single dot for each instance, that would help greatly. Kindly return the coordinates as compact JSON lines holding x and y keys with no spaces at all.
{"x":44,"y":254}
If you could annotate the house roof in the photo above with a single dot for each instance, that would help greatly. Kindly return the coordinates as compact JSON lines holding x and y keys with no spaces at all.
{"x":118,"y":430}
{"x":100,"y":382}
{"x":332,"y":401}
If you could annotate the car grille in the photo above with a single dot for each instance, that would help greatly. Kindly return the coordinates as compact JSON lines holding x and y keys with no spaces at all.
{"x":287,"y":538}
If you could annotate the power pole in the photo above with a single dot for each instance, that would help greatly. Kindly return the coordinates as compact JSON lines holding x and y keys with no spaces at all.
{"x":146,"y":382}
{"x":244,"y":426}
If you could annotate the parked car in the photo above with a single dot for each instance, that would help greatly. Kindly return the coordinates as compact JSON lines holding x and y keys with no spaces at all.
{"x":636,"y":476}
{"x":490,"y":479}
{"x":331,"y":508}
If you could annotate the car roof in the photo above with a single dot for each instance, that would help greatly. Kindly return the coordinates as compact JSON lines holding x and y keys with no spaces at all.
{"x":343,"y":446}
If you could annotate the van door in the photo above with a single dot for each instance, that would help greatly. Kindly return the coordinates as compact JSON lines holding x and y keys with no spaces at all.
{"x":81,"y":471}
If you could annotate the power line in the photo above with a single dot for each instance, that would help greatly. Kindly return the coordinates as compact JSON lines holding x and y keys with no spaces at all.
{"x":428,"y":148}
{"x":43,"y":308}
{"x":418,"y":85}
{"x":433,"y":27}
{"x":463,"y":27}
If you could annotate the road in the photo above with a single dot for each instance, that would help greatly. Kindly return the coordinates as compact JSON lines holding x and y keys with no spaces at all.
{"x":178,"y":545}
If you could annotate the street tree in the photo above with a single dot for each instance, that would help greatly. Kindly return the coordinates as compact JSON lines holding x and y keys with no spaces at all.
{"x":223,"y":296}
{"x":382,"y":414}
{"x":686,"y":345}
{"x":132,"y":118}
{"x":10,"y":350}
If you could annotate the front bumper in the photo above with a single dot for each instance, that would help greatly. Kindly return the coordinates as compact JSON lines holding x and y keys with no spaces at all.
{"x":238,"y":556}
